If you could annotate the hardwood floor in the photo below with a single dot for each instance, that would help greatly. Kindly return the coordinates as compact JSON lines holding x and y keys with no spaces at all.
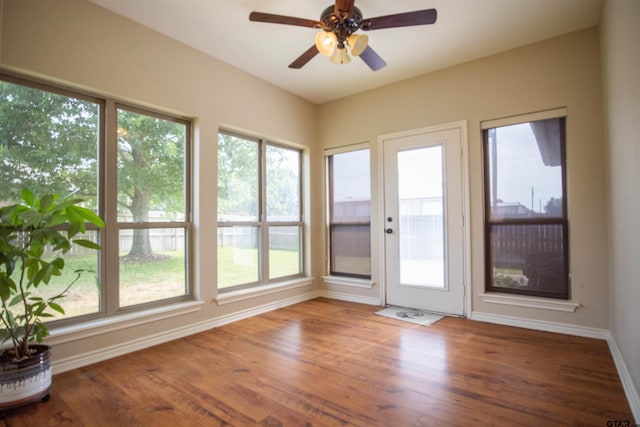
{"x":332,"y":363}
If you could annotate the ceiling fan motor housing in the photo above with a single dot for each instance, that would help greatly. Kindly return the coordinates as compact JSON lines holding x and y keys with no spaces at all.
{"x":342,"y":27}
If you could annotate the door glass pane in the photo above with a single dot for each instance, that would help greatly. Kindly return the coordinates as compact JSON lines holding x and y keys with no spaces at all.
{"x":284,"y":251}
{"x":164,"y":277}
{"x":237,"y":256}
{"x":421,"y":222}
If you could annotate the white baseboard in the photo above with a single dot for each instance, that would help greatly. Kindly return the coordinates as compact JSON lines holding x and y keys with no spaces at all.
{"x":630,"y":388}
{"x":350,"y":297}
{"x":541,"y":325}
{"x":94,"y":356}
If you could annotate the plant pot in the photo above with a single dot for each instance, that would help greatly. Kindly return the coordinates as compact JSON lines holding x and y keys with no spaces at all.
{"x":26,"y":381}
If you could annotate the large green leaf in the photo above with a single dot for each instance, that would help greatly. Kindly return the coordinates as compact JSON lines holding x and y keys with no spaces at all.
{"x":27,"y":196}
{"x":86,"y":243}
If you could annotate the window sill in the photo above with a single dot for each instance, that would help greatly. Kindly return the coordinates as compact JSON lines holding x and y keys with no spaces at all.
{"x":347,"y":281}
{"x":227,"y":297}
{"x":121,"y":321}
{"x":530,"y":302}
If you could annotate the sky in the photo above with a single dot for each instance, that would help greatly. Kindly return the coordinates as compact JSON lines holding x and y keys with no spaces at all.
{"x":520,"y":169}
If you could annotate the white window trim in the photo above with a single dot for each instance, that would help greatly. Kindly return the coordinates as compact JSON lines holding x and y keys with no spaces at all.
{"x":348,"y":281}
{"x":257,"y":291}
{"x":117,"y":322}
{"x":530,"y":302}
{"x":524,"y":118}
{"x":347,"y":149}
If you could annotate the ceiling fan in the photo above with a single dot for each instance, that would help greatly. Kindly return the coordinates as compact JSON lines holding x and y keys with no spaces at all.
{"x":338,"y":24}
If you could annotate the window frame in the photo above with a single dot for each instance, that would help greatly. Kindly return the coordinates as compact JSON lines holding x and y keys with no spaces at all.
{"x":107,"y":207}
{"x":490,"y":222}
{"x":329,"y":154}
{"x":113,"y":239}
{"x":262,"y":224}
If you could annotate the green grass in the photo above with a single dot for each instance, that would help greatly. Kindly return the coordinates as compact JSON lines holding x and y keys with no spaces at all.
{"x":139,"y":283}
{"x":146,"y":282}
{"x":238,"y":266}
{"x":507,"y":278}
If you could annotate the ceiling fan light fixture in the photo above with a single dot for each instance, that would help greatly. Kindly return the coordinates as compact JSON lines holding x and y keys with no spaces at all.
{"x":357,"y":43}
{"x":340,"y":56}
{"x":326,"y":42}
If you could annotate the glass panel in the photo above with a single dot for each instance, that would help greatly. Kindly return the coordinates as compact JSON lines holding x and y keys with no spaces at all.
{"x":84,"y":296}
{"x":151,"y":168}
{"x":421,"y":206}
{"x":350,"y":211}
{"x":529,"y":258}
{"x":284,"y":251}
{"x":237,"y":256}
{"x":351,"y":249}
{"x":283,"y":184}
{"x":351,"y":189}
{"x":48,"y":143}
{"x":151,"y":279}
{"x":526,"y":170}
{"x":237,"y":179}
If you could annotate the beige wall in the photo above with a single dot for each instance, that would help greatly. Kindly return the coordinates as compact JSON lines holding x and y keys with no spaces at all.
{"x":621,"y":77}
{"x":82,"y":45}
{"x":563,"y":72}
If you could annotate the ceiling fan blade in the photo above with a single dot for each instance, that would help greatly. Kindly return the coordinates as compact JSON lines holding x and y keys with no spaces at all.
{"x":372,"y":59}
{"x":407,"y":19}
{"x":286,"y":20}
{"x":307,"y":56}
{"x":343,"y":8}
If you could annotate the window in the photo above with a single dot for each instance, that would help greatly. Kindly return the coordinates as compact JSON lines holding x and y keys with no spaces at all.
{"x":134,"y":172}
{"x":259,"y":212}
{"x":526,"y":226}
{"x":349,"y":196}
{"x":152,"y":206}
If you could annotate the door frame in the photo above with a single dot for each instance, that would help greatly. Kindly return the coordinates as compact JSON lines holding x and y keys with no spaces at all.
{"x":460,"y":125}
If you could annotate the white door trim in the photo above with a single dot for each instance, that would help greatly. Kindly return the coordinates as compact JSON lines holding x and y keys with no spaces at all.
{"x":461,"y":125}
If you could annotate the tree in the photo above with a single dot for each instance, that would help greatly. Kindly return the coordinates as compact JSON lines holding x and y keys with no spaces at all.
{"x":49,"y":143}
{"x":237,"y":177}
{"x":151,"y":161}
{"x":238,"y":171}
{"x":283,"y":183}
{"x":553,"y":207}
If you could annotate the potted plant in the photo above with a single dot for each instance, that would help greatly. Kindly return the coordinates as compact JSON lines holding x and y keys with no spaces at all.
{"x":34,"y":236}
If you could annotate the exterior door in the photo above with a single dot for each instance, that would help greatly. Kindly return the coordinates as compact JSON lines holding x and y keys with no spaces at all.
{"x":424,"y":234}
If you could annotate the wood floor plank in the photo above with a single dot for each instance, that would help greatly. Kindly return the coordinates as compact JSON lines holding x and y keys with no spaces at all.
{"x":335,"y":363}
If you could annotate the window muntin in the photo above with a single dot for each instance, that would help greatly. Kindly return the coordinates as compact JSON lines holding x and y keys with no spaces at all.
{"x":349,"y":195}
{"x":53,"y":141}
{"x":526,"y":225}
{"x":259,"y":211}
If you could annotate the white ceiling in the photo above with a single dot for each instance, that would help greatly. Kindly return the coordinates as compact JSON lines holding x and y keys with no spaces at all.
{"x":465,"y":30}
